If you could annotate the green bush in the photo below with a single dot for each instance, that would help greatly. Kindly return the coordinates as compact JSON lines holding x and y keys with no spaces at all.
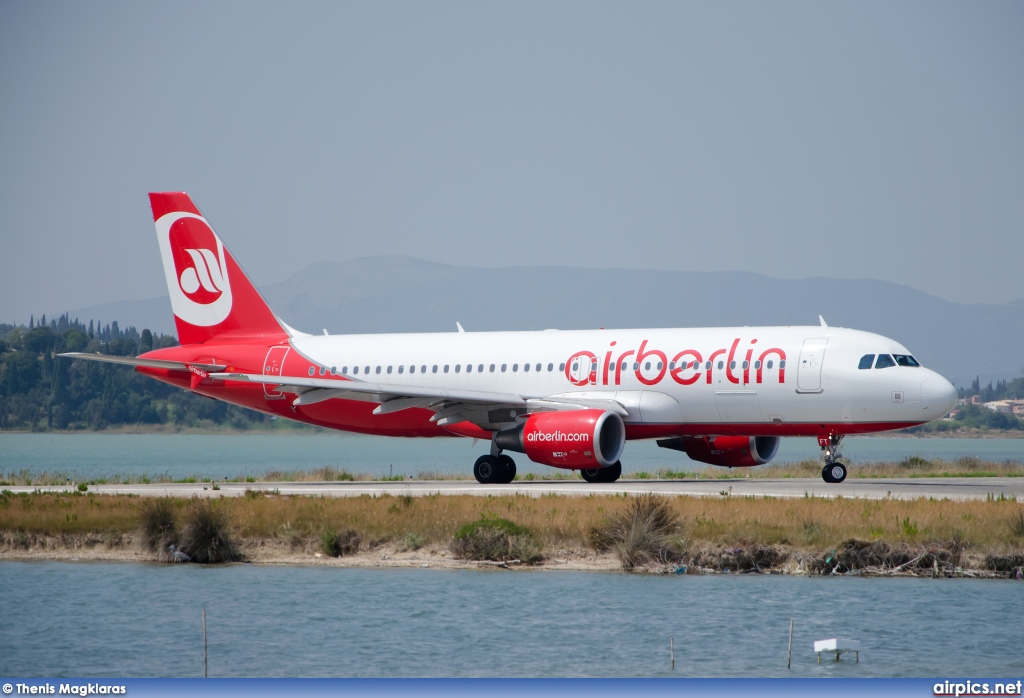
{"x":206,"y":536}
{"x":494,"y":538}
{"x":83,"y":487}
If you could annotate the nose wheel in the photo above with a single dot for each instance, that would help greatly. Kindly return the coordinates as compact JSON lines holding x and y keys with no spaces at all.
{"x":834,"y":472}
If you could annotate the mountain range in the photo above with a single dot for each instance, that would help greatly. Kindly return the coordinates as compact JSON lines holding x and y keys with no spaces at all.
{"x":396,"y":293}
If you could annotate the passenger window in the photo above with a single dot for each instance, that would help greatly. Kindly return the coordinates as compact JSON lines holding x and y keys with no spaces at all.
{"x":366,"y":369}
{"x":551,"y":367}
{"x":492,"y":368}
{"x":745,"y":364}
{"x":311,"y":371}
{"x":561,"y":366}
{"x":575,"y":367}
{"x":378,"y":369}
{"x":537,"y":367}
{"x":721,"y":365}
{"x":434,"y":369}
{"x":480,"y":368}
{"x":355,"y":370}
{"x":344,"y":370}
{"x":732,"y":364}
{"x":515,"y":367}
{"x":334,"y":370}
{"x":769,"y":364}
{"x":636,"y":365}
{"x":757,"y":365}
{"x":401,"y":369}
{"x":469,"y":368}
{"x":672,"y":365}
{"x":707,"y":366}
{"x":446,"y":368}
{"x":905,"y":360}
{"x":423,"y":369}
{"x":412,"y":369}
{"x":782,"y":364}
{"x":458,"y":367}
{"x":389,"y":369}
{"x":526,"y":367}
{"x":504,"y":367}
{"x":884,"y":361}
{"x":323,"y":370}
{"x":866,"y":361}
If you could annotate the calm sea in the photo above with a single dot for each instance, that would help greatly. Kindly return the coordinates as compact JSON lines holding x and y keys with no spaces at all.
{"x":130,"y":620}
{"x":93,"y":456}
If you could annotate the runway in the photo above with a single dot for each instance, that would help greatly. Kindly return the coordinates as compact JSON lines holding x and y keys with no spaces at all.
{"x":896,"y":488}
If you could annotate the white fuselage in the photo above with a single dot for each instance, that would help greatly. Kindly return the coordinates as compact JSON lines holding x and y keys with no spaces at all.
{"x":778,"y":377}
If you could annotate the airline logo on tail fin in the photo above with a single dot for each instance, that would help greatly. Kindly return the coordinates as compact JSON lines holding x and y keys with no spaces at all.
{"x":210,"y":294}
{"x":193,"y":255}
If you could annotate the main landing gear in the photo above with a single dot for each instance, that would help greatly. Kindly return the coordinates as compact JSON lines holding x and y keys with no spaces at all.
{"x":834,"y":472}
{"x":494,"y":469}
{"x":609,"y":474}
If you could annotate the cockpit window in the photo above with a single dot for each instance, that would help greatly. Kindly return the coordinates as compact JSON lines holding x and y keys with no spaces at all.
{"x":866,"y":361}
{"x":905,"y":360}
{"x":884,"y":361}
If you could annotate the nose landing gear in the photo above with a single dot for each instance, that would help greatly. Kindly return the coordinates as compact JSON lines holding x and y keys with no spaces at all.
{"x":834,"y":472}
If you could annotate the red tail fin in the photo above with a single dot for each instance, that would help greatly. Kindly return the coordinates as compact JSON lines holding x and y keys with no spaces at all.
{"x":210,"y":294}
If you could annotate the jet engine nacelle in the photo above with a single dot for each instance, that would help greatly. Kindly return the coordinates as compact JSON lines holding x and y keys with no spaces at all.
{"x":574,"y":439}
{"x":727,"y":451}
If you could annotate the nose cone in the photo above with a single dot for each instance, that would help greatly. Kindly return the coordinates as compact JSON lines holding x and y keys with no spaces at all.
{"x":938,"y":396}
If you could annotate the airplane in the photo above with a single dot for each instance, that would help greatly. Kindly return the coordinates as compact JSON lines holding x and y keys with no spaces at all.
{"x":568,"y":399}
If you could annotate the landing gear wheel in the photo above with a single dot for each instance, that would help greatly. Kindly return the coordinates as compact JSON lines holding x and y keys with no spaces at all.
{"x":609,"y":474}
{"x":488,"y":470}
{"x":833,"y":473}
{"x":507,"y":467}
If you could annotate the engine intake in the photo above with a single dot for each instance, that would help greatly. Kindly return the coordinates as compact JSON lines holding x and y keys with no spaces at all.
{"x":727,"y":451}
{"x":574,"y":439}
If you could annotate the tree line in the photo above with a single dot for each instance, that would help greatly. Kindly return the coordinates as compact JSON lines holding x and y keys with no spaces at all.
{"x":40,"y":391}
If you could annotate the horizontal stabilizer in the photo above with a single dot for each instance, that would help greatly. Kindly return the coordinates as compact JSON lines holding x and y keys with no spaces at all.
{"x":149,"y":363}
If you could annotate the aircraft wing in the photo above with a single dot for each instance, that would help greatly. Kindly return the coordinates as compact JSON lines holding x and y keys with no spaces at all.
{"x":450,"y":406}
{"x":150,"y":363}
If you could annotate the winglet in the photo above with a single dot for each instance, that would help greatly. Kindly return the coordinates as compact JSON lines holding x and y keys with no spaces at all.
{"x":822,"y":321}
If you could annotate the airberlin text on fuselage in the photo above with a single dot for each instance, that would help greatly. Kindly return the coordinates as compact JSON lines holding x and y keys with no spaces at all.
{"x":687,"y":366}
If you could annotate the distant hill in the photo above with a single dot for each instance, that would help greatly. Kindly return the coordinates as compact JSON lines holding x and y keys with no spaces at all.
{"x":402,"y":294}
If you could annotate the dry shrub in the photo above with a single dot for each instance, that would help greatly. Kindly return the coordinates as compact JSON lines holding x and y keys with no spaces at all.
{"x":340,"y":543}
{"x":206,"y":536}
{"x":1010,"y":563}
{"x":856,"y":554}
{"x":159,"y":528}
{"x":753,"y":558}
{"x":494,"y":538}
{"x":648,"y":531}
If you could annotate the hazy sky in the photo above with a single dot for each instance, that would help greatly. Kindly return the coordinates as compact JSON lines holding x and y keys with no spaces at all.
{"x":859,"y":140}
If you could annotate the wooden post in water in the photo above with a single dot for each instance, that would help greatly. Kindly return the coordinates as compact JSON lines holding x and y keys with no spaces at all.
{"x":672,"y":650}
{"x":789,"y":654}
{"x":205,"y":663}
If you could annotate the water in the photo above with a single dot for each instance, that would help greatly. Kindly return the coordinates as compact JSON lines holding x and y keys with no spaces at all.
{"x":131,"y":620}
{"x":94,"y":456}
